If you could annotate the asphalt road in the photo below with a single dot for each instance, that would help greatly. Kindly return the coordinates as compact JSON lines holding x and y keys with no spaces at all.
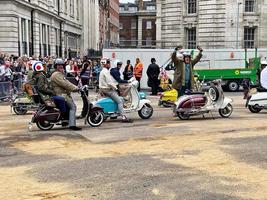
{"x":159,"y":158}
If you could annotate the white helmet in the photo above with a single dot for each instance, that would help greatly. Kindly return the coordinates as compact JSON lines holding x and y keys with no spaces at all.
{"x":264,"y":62}
{"x":104,"y":60}
{"x":37,"y":66}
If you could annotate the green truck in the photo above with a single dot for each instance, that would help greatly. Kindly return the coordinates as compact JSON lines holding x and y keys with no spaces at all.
{"x":232,"y":78}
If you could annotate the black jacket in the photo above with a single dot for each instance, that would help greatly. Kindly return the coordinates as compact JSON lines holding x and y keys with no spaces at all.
{"x":153,"y":71}
{"x":115,"y":73}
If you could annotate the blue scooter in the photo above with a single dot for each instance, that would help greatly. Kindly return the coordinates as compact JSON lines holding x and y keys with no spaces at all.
{"x":137,"y":103}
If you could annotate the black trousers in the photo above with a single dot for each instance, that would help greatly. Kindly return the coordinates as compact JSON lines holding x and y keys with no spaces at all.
{"x":138,"y":79}
{"x":154,"y":86}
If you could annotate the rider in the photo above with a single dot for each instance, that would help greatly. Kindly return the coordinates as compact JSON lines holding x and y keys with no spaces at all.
{"x":44,"y":88}
{"x":110,"y":88}
{"x":183,"y":75}
{"x":116,"y":75}
{"x":63,"y":87}
{"x":263,"y":77}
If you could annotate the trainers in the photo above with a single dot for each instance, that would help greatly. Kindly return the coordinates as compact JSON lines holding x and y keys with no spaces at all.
{"x":64,"y":123}
{"x":75,"y":128}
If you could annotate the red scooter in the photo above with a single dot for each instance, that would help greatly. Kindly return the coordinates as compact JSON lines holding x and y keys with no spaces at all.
{"x":46,"y":117}
{"x":200,"y":103}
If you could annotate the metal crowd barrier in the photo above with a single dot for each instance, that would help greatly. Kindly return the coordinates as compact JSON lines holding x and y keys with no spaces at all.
{"x":10,"y":88}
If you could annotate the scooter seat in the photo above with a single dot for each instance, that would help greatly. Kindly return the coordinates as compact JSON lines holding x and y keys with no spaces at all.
{"x":192,"y":93}
{"x":261,"y":89}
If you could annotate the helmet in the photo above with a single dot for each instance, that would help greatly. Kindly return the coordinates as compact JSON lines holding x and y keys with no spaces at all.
{"x":264,"y":62}
{"x":104,"y":60}
{"x":186,"y":54}
{"x":38,"y":66}
{"x":117,"y":62}
{"x":59,"y":61}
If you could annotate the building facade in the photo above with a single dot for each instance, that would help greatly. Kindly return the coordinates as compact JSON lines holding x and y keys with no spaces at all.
{"x":211,"y":23}
{"x":138,"y":24}
{"x":63,"y":28}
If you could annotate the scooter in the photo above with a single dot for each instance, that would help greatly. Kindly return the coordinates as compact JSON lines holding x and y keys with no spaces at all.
{"x":137,"y":102}
{"x":22,"y":104}
{"x":256,"y":98}
{"x":199,"y":103}
{"x":168,"y":97}
{"x":46,"y":117}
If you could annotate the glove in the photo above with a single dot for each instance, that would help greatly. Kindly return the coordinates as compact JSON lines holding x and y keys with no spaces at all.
{"x":199,"y":48}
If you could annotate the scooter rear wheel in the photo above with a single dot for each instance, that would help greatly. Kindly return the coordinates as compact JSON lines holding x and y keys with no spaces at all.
{"x":95,"y":118}
{"x":20,"y":110}
{"x":183,"y":116}
{"x":45,"y":126}
{"x":254,"y":109}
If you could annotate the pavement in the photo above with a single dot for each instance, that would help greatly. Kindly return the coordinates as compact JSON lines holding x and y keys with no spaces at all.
{"x":159,"y":158}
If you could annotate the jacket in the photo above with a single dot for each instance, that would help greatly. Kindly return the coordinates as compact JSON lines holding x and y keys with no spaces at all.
{"x":138,"y":70}
{"x":42,"y":84}
{"x":105,"y":81}
{"x":61,"y":86}
{"x":153,"y":71}
{"x":179,"y":73}
{"x":115,"y":73}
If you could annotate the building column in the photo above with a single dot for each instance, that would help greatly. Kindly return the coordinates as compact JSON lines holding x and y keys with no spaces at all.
{"x":53,"y":41}
{"x":139,"y":31}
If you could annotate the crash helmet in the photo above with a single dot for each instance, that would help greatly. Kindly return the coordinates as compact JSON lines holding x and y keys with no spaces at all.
{"x":103,"y":61}
{"x":186,"y":54}
{"x":37,"y":66}
{"x":59,"y":61}
{"x":264,"y":62}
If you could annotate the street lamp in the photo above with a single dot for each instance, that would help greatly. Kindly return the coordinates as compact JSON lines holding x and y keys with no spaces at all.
{"x":237,"y":23}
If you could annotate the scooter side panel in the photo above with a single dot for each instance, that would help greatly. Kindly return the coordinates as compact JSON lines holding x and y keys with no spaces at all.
{"x":258,"y":99}
{"x":142,"y":95}
{"x":108,"y":105}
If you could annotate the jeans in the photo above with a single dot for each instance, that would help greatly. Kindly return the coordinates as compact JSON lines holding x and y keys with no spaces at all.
{"x":182,"y":90}
{"x":116,"y":98}
{"x":72,"y":112}
{"x":60,"y":103}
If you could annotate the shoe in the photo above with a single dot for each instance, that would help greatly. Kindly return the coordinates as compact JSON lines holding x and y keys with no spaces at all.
{"x":75,"y":128}
{"x":126,"y":120}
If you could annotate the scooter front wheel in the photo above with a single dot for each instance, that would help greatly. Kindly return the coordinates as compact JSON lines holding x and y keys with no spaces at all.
{"x":95,"y":118}
{"x":146,"y":111}
{"x":227,"y":111}
{"x":44,"y":125}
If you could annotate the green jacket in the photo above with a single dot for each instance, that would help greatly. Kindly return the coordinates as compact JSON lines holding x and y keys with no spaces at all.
{"x":42,"y":85}
{"x":179,"y":73}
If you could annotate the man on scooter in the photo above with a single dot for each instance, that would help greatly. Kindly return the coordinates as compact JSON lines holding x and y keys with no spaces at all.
{"x":116,"y":75}
{"x":183,"y":75}
{"x":263,"y":77}
{"x":44,"y":88}
{"x":62,"y":87}
{"x":110,"y":88}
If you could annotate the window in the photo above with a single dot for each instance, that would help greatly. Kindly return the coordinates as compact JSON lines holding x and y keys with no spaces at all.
{"x":65,"y":6}
{"x":249,"y":37}
{"x":122,"y":8}
{"x":249,"y":5}
{"x":133,"y":41}
{"x":148,"y":41}
{"x":77,"y":9}
{"x":192,"y":6}
{"x":24,"y":36}
{"x":148,"y":25}
{"x":72,"y":8}
{"x":121,"y":26}
{"x":151,"y":8}
{"x":132,"y":8}
{"x":191,"y":38}
{"x":133,"y":24}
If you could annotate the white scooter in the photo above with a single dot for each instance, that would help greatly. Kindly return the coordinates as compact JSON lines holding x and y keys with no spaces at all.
{"x":200,"y":103}
{"x":137,"y":103}
{"x":256,"y":99}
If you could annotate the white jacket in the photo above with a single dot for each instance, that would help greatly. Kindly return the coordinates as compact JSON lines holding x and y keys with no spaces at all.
{"x":106,"y":80}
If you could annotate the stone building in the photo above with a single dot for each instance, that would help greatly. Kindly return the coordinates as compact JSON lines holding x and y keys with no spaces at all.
{"x":138,"y":24}
{"x":212,"y":23}
{"x":64,"y":28}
